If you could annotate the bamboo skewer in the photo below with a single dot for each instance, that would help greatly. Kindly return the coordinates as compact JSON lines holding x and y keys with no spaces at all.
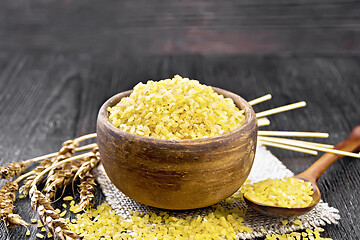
{"x":297,"y":145}
{"x":293,"y":134}
{"x":260,"y":99}
{"x":297,"y":142}
{"x":308,"y":146}
{"x":287,"y":147}
{"x":263,"y":122}
{"x":281,"y":109}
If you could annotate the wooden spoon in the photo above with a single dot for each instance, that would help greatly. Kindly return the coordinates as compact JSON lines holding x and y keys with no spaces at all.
{"x":312,"y":174}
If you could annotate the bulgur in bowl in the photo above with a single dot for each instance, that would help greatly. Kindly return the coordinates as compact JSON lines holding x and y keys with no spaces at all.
{"x":177,"y":173}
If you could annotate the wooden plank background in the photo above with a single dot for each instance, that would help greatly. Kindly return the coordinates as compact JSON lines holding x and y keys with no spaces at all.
{"x":61,"y":59}
{"x":110,"y":27}
{"x":46,"y":99}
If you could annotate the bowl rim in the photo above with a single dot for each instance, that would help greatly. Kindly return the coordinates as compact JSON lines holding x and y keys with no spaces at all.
{"x":241,"y":103}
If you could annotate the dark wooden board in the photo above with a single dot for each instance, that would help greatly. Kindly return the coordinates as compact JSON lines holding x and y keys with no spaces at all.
{"x":60,"y":60}
{"x":48,"y":98}
{"x":98,"y":28}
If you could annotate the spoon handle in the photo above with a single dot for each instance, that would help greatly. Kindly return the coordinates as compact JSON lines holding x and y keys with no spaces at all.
{"x":351,"y":144}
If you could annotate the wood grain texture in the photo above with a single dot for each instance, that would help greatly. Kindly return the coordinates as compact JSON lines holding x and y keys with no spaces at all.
{"x":60,"y":61}
{"x":98,"y":28}
{"x":47,"y":98}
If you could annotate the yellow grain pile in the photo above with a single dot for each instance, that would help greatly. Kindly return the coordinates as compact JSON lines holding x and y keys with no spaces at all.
{"x":287,"y":192}
{"x":308,"y":234}
{"x":177,"y":108}
{"x":103,"y":223}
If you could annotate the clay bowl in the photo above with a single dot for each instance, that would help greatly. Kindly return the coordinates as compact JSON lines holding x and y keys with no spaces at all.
{"x":177,"y":174}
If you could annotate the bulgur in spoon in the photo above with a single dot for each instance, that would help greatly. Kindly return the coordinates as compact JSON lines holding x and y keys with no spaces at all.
{"x":274,"y":206}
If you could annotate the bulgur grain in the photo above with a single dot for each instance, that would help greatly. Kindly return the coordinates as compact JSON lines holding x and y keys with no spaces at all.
{"x":287,"y":192}
{"x":68,"y":198}
{"x":177,"y":108}
{"x":298,"y":222}
{"x":63,"y":213}
{"x":39,"y":235}
{"x":310,"y":234}
{"x":221,"y":223}
{"x":284,"y":222}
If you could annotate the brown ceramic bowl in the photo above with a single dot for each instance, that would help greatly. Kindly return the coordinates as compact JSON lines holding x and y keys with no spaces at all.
{"x":177,"y":174}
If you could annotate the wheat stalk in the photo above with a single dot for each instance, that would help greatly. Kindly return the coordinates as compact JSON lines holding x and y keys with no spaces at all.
{"x":60,"y":178}
{"x":87,"y":184}
{"x":12,"y":169}
{"x":50,"y":218}
{"x":87,"y":188}
{"x":24,"y":189}
{"x":60,"y":169}
{"x":7,"y":199}
{"x":67,"y":150}
{"x":90,"y":162}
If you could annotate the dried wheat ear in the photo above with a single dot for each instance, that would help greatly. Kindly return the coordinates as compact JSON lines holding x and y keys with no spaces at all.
{"x":57,"y":170}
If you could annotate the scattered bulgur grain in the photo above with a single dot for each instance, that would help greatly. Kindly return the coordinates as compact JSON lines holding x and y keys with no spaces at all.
{"x":219,"y":224}
{"x":284,"y":222}
{"x":63,"y":213}
{"x":68,"y":198}
{"x":33,"y":220}
{"x":229,"y":200}
{"x":310,"y":234}
{"x":39,"y":235}
{"x":77,"y":209}
{"x":298,"y":222}
{"x":237,"y":196}
{"x":64,"y":205}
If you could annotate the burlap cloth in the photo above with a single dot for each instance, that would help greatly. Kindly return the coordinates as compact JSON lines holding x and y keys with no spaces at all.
{"x":266,"y":165}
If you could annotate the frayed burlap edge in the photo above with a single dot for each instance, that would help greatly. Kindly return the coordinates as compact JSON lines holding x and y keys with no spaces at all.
{"x":266,"y":165}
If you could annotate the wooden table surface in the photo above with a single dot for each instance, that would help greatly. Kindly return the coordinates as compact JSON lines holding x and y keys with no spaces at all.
{"x":56,"y":71}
